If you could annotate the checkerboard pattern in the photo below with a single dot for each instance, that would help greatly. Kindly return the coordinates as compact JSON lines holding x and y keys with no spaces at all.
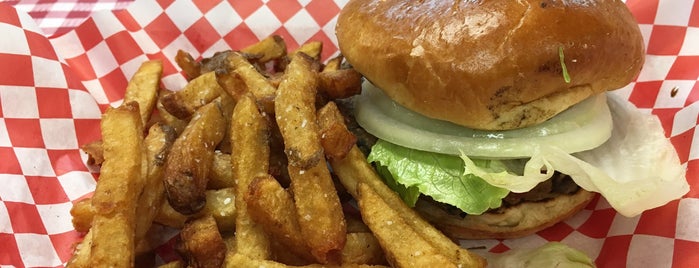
{"x":52,"y":94}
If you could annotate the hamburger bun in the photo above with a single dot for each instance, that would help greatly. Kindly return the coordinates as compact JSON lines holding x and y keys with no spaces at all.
{"x":491,"y":65}
{"x":513,"y":222}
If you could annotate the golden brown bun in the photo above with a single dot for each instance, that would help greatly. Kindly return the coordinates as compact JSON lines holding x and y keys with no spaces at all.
{"x":517,"y":221}
{"x":491,"y":64}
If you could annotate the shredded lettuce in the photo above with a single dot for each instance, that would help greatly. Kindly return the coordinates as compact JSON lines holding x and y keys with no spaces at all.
{"x":553,"y":254}
{"x":439,"y":176}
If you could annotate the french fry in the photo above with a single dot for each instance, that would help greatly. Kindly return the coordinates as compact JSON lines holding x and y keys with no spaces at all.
{"x":295,"y":113}
{"x":249,"y":158}
{"x":354,"y":169}
{"x":157,"y":143}
{"x":273,"y":208}
{"x":164,"y":116}
{"x":219,"y":204}
{"x":403,"y":246}
{"x":317,"y":204}
{"x":270,"y":48}
{"x":232,"y":83}
{"x":144,"y":86}
{"x":190,"y":160}
{"x":335,"y":138}
{"x":221,"y":174}
{"x":114,"y":200}
{"x":197,"y":93}
{"x":312,"y":49}
{"x":333,"y":64}
{"x":190,"y":67}
{"x":340,"y":84}
{"x":255,"y":82}
{"x":202,"y":244}
{"x":363,"y":248}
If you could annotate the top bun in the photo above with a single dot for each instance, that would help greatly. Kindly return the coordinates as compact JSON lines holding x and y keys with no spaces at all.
{"x":491,"y":64}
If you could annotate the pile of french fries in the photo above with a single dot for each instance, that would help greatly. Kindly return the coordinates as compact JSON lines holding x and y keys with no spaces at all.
{"x":253,"y":163}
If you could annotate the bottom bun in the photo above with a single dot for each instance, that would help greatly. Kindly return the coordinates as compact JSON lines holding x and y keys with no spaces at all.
{"x":514,"y":222}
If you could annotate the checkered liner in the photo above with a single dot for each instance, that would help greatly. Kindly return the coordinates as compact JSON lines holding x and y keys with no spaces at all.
{"x":49,"y":105}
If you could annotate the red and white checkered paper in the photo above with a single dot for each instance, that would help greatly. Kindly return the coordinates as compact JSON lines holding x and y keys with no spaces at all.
{"x":52,"y":92}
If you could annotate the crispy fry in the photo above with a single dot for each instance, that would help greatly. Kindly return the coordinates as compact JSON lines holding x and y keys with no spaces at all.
{"x":95,"y":156}
{"x":272,"y":47}
{"x":295,"y":113}
{"x":403,"y":246}
{"x":164,"y":116}
{"x":219,"y":204}
{"x":255,"y":82}
{"x":312,"y":49}
{"x":333,"y":64}
{"x":221,"y":174}
{"x":317,"y":204}
{"x":197,"y":93}
{"x":340,"y":84}
{"x":273,"y":208}
{"x":202,"y":244}
{"x":249,"y":140}
{"x":190,"y":160}
{"x":354,"y":169}
{"x":232,"y":83}
{"x":119,"y":185}
{"x":335,"y":138}
{"x":158,"y":141}
{"x":190,"y":67}
{"x":363,"y":248}
{"x":144,"y":86}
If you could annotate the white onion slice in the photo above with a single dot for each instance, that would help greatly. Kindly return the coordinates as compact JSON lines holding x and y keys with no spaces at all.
{"x":579,"y":128}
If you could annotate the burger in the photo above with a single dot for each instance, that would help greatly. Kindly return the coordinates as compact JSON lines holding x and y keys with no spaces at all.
{"x":494,"y":118}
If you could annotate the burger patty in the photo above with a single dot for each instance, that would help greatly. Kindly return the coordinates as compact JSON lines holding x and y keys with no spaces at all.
{"x":558,"y":184}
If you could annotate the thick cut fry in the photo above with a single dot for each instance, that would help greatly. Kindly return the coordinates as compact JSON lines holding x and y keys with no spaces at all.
{"x":273,"y":208}
{"x":117,"y":191}
{"x":354,"y":169}
{"x":403,"y":246}
{"x":144,"y":86}
{"x":340,"y":84}
{"x":242,"y":261}
{"x":190,"y":67}
{"x":312,"y":49}
{"x":169,"y":119}
{"x":94,"y":153}
{"x":158,"y":141}
{"x":333,"y":64}
{"x":363,"y":248}
{"x":255,"y":82}
{"x":197,"y":93}
{"x":249,"y":158}
{"x":232,"y":83}
{"x":202,"y":244}
{"x":221,"y":174}
{"x":190,"y":160}
{"x":335,"y":138}
{"x":317,"y":204}
{"x":270,"y":48}
{"x":219,"y":204}
{"x":295,"y":113}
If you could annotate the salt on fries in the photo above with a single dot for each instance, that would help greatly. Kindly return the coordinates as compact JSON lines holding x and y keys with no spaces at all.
{"x":238,"y":160}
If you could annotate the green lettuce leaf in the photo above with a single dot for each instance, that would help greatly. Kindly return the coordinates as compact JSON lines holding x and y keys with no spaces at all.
{"x":438,"y":176}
